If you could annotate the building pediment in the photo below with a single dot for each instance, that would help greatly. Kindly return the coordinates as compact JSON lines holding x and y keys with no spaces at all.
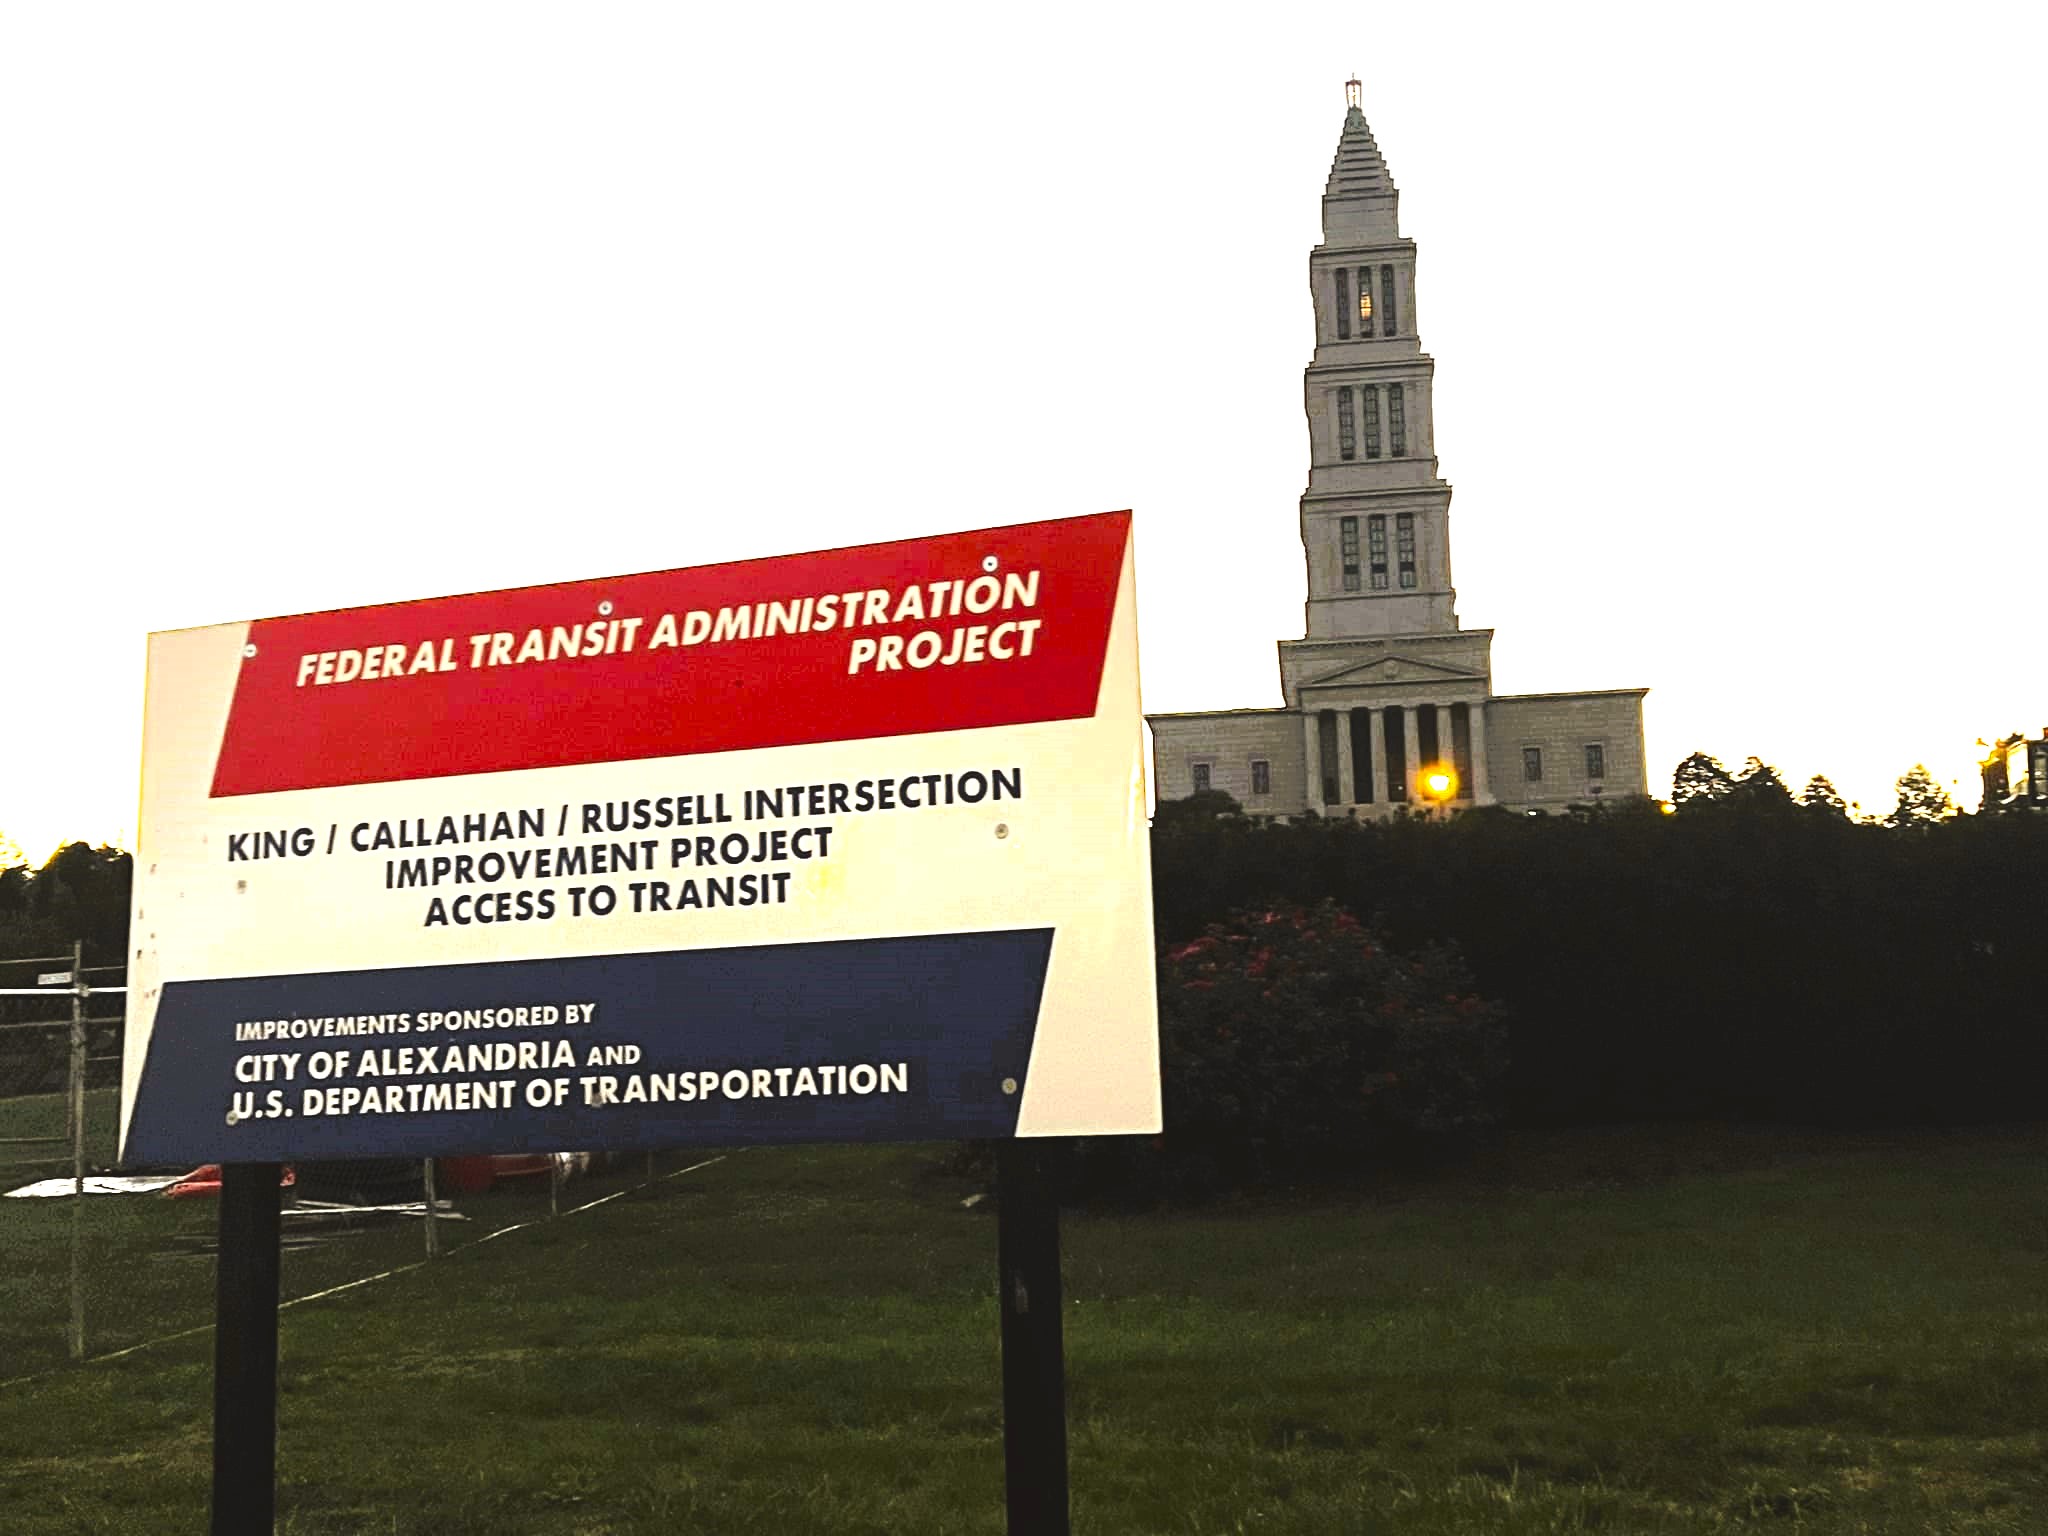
{"x":1394,"y":670}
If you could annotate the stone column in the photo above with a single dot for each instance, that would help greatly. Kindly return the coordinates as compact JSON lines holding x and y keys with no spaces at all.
{"x":1377,"y":734}
{"x":1347,"y":780}
{"x":1312,"y":751}
{"x":1447,"y":742}
{"x":1475,"y":716}
{"x":1411,"y":749}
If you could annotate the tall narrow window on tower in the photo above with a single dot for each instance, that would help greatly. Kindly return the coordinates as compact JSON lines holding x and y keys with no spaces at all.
{"x":1365,"y":301}
{"x":1397,"y":421}
{"x":1386,"y":301}
{"x":1371,"y":392}
{"x":1404,"y":546}
{"x":1343,"y":303}
{"x":1376,"y":546}
{"x":1347,"y":428}
{"x":1347,"y":544}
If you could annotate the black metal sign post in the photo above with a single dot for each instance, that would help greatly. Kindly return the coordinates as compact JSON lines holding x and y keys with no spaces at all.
{"x":1034,"y":1356}
{"x":245,"y":1352}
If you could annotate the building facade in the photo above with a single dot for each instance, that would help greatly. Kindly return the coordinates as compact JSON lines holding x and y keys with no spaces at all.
{"x":2016,"y":772}
{"x":1388,"y":703}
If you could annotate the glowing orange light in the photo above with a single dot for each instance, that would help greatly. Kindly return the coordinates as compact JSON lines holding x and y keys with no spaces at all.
{"x":1441,"y":782}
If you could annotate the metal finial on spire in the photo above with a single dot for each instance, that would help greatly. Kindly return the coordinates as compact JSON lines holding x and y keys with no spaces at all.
{"x":1352,"y":90}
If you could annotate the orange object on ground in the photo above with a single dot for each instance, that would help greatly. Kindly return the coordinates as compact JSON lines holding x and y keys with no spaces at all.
{"x":522,"y":1165}
{"x":464,"y":1175}
{"x":205,"y":1180}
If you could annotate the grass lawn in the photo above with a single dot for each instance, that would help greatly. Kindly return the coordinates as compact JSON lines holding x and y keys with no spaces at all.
{"x":1636,"y":1331}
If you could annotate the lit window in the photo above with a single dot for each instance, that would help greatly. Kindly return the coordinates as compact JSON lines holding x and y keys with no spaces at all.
{"x":1404,"y":546}
{"x":1365,"y":301}
{"x":1347,"y":428}
{"x":1596,"y":760}
{"x":1347,"y":540}
{"x":1532,"y":764}
{"x":1262,"y":776}
{"x":1386,"y":301}
{"x":1397,"y":421}
{"x":1343,"y":304}
{"x":1372,"y":420}
{"x":1201,"y":777}
{"x":1376,"y":545}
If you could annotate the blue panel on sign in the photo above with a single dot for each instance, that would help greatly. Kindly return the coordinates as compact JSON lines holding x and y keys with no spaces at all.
{"x":863,"y":1040}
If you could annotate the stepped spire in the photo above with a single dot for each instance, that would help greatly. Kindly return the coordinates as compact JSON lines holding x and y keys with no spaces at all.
{"x":1360,"y":201}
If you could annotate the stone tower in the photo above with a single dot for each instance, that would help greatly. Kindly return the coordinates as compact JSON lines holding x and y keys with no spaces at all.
{"x":1389,"y":704}
{"x":1371,"y":449}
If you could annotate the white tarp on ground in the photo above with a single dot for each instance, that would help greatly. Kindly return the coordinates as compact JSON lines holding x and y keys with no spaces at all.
{"x":96,"y":1184}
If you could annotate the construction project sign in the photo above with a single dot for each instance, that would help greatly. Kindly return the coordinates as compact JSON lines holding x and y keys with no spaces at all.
{"x":837,"y":846}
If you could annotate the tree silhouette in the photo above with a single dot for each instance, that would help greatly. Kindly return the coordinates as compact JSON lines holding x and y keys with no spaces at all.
{"x":1700,"y":778}
{"x":1823,"y":798}
{"x":84,"y":892}
{"x":1758,"y":784}
{"x":14,"y":876}
{"x":1922,"y":800}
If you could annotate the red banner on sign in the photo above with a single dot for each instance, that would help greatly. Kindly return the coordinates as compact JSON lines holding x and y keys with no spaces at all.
{"x":1008,"y":626}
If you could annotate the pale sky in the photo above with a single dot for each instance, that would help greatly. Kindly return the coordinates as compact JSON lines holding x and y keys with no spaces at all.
{"x":1736,"y":358}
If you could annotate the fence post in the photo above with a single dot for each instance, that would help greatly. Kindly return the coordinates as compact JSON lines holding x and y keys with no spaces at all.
{"x":433,"y":1229}
{"x":76,"y":1110}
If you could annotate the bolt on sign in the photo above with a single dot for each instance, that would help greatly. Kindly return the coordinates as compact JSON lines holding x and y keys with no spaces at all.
{"x":848,"y":845}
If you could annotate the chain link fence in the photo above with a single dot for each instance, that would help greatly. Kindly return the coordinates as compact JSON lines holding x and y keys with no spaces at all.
{"x":102,"y":1260}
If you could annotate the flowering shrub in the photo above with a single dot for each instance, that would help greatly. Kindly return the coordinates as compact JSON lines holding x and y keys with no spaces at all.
{"x":1294,"y":1041}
